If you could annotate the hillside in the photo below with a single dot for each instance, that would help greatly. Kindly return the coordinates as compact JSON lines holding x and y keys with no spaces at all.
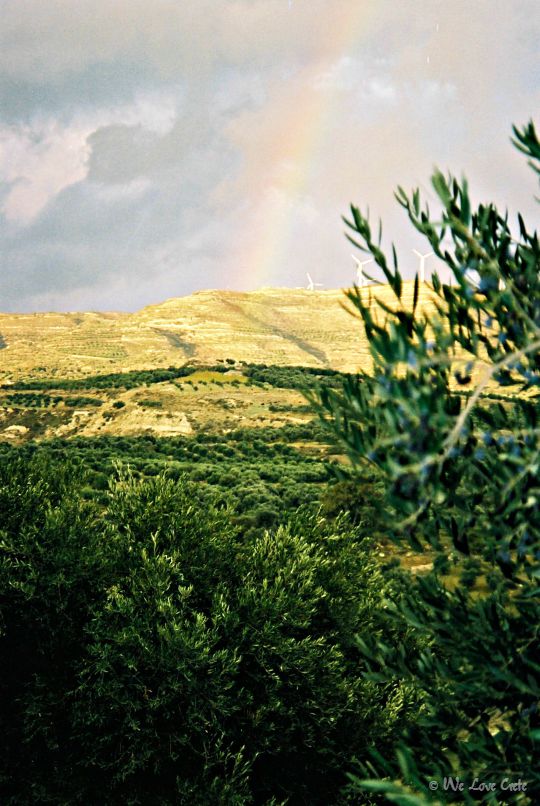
{"x":277,"y":326}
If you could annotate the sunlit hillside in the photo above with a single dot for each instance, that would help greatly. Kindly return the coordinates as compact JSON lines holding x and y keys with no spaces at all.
{"x":277,"y":326}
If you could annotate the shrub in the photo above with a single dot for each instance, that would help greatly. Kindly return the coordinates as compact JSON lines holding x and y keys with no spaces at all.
{"x":52,"y":572}
{"x":166,"y":659}
{"x":148,"y":403}
{"x":362,"y":499}
{"x":266,"y":517}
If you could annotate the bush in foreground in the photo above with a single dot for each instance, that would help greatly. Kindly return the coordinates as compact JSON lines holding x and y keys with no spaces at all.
{"x":151,"y":654}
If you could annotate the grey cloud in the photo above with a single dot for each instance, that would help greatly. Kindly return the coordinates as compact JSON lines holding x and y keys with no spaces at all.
{"x":97,"y":85}
{"x":40,"y":41}
{"x":122,"y":231}
{"x":257,"y":125}
{"x":121,"y":153}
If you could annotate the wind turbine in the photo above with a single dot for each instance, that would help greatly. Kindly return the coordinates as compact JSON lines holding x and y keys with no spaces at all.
{"x":423,"y":259}
{"x":311,"y":285}
{"x":360,"y":279}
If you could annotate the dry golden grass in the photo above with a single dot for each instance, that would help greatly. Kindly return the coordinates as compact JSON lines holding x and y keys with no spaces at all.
{"x":271,"y":326}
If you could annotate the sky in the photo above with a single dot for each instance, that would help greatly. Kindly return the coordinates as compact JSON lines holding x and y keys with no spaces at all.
{"x":152,"y":148}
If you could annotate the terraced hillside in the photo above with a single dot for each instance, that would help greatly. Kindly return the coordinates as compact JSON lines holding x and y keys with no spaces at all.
{"x":278,"y":326}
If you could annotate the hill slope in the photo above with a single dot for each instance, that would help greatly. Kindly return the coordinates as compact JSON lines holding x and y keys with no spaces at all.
{"x":273,"y":325}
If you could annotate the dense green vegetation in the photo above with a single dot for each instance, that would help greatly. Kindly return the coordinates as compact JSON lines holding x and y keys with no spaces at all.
{"x":152,"y":652}
{"x":36,"y":400}
{"x":259,"y":472}
{"x":40,"y":400}
{"x":113,"y":380}
{"x":300,"y":378}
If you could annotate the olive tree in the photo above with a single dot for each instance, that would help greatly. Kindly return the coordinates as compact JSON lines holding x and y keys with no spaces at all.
{"x":448,"y":415}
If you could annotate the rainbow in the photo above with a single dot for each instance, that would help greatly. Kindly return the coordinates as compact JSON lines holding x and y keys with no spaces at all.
{"x":255,"y":260}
